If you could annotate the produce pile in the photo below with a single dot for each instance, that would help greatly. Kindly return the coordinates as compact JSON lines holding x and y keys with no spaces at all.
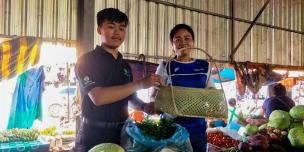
{"x":162,"y":129}
{"x":54,"y":131}
{"x":13,"y":135}
{"x":282,"y":127}
{"x":221,"y":140}
{"x":232,"y":149}
{"x":51,"y":131}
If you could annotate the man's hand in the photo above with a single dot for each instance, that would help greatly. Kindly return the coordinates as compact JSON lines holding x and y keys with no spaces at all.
{"x":149,"y":81}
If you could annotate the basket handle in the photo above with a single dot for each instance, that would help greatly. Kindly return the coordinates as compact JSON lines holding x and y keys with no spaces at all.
{"x":168,"y":63}
{"x":209,"y":56}
{"x":143,"y":58}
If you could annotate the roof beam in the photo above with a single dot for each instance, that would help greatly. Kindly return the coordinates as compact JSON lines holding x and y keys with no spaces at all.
{"x":225,"y":16}
{"x":248,"y":30}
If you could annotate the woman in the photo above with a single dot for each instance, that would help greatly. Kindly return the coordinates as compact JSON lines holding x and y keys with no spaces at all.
{"x":187,"y":72}
{"x":278,"y":100}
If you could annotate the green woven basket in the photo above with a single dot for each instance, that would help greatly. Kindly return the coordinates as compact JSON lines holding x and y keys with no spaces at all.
{"x":192,"y":102}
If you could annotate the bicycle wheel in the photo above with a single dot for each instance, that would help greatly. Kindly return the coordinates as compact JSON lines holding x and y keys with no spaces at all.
{"x":54,"y":110}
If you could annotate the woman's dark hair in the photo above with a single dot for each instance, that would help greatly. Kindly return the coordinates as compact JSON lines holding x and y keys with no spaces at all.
{"x":181,"y":26}
{"x":279,"y":90}
{"x":113,"y":15}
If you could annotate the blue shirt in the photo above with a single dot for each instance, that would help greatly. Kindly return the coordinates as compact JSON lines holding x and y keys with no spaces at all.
{"x":187,"y":74}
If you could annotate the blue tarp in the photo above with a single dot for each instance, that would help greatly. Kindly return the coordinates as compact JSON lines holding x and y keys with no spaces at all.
{"x":227,"y":74}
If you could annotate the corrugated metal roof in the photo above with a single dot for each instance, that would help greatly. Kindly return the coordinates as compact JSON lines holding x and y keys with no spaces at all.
{"x":55,"y":19}
{"x":151,"y":22}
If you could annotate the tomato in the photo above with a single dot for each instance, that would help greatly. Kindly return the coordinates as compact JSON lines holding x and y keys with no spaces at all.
{"x":138,"y":116}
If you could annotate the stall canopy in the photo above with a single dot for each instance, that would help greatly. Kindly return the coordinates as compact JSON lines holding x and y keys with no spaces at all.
{"x":16,"y":54}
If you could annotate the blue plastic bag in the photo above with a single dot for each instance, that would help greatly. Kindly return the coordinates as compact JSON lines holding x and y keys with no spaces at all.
{"x":134,"y":141}
{"x":234,"y":125}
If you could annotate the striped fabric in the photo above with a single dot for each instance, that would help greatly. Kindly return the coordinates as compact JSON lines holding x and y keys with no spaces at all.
{"x":16,"y":54}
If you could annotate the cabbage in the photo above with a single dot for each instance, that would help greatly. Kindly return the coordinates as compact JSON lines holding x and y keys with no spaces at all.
{"x":297,"y":112}
{"x":279,"y":119}
{"x":296,"y":137}
{"x":107,"y":147}
{"x":296,"y":124}
{"x":251,"y":129}
{"x":263,"y":127}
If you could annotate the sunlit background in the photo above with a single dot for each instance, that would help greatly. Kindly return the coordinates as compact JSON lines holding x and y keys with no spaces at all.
{"x":55,"y":56}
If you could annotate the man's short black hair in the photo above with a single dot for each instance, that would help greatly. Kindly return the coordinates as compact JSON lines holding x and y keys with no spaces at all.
{"x":279,"y":90}
{"x":181,"y":26}
{"x":113,"y":15}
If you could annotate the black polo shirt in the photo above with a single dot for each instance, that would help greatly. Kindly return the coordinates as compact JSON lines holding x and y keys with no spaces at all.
{"x":98,"y":68}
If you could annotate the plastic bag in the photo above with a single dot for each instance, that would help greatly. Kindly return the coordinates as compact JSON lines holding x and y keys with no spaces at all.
{"x":234,"y":125}
{"x":134,"y":141}
{"x":168,"y":148}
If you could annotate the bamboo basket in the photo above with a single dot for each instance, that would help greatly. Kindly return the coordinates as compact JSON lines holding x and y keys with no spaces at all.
{"x":192,"y":102}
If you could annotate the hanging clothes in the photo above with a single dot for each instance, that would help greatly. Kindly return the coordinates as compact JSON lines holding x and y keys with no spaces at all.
{"x":26,"y":105}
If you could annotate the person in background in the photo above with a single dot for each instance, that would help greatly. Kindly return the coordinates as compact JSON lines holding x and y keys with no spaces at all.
{"x":106,"y":85}
{"x":235,"y":116}
{"x":277,"y":100}
{"x":187,"y":72}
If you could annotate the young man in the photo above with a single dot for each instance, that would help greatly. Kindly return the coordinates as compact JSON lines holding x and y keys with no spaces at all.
{"x":106,"y":84}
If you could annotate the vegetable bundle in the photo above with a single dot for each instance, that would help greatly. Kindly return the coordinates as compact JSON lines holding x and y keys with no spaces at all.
{"x":13,"y":135}
{"x":162,"y":129}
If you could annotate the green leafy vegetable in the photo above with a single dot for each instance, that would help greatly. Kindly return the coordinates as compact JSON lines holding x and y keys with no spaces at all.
{"x":162,"y":129}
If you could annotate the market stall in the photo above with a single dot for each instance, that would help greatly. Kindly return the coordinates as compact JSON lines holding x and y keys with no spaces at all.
{"x":254,"y":45}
